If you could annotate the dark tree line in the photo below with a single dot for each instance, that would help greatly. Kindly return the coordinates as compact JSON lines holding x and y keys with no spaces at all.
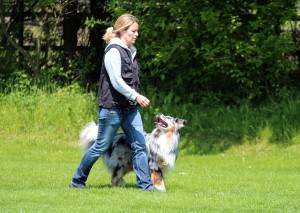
{"x":199,"y":50}
{"x":49,"y":39}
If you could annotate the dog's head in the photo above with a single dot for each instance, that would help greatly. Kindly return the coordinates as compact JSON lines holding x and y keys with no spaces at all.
{"x":168,"y":123}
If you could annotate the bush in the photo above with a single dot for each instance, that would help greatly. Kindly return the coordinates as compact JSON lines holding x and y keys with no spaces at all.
{"x":230,"y":50}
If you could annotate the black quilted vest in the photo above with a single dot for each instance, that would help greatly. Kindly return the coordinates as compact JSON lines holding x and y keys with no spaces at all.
{"x":109,"y":97}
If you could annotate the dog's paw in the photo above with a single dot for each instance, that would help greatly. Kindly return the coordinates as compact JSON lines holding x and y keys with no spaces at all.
{"x":118,"y":182}
{"x":122,"y":183}
{"x":160,"y":188}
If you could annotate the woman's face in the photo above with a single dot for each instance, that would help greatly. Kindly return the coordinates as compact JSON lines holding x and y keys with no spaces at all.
{"x":130,"y":35}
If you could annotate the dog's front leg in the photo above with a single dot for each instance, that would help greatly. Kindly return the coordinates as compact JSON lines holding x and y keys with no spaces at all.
{"x":158,"y":179}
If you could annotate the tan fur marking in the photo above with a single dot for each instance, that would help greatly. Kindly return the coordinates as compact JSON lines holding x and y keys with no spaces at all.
{"x":156,"y":132}
{"x":170,"y":132}
{"x":157,"y":180}
{"x":160,"y":162}
{"x":129,"y":169}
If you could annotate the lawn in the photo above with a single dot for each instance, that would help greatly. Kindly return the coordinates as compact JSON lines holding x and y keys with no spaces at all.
{"x":248,"y":178}
{"x":39,"y":154}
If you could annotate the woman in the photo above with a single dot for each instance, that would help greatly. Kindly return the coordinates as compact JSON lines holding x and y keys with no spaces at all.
{"x":118,"y":100}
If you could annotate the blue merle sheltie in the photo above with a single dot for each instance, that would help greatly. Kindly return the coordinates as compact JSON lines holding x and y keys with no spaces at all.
{"x":162,"y":150}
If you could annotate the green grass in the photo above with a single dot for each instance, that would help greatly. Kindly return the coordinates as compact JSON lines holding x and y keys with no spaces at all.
{"x":39,"y":153}
{"x":251,"y":178}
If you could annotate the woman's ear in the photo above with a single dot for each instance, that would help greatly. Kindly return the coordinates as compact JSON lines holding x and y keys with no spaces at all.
{"x":121,"y":32}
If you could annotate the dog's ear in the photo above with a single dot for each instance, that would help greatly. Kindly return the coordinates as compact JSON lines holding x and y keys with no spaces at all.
{"x":180,"y":122}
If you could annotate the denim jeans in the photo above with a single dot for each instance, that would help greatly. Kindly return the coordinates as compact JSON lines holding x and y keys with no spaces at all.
{"x":109,"y":122}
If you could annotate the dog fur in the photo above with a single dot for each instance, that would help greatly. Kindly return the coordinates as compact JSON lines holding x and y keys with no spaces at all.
{"x":162,"y":150}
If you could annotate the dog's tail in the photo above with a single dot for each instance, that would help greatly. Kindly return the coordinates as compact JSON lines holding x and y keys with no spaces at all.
{"x":88,"y":135}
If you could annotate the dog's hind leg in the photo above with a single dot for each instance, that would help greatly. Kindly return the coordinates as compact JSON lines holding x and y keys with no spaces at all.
{"x":117,"y":177}
{"x":122,"y":182}
{"x":158,"y":179}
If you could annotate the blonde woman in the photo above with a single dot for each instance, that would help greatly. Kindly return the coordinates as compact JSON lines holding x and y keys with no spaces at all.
{"x":119,"y":97}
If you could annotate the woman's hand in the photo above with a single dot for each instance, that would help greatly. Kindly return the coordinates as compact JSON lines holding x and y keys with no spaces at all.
{"x":142,"y":100}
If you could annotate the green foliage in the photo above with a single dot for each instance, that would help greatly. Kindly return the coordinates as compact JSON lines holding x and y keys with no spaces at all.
{"x":77,"y":70}
{"x":233,"y":50}
{"x":40,"y":113}
{"x":8,"y":63}
{"x":202,"y":51}
{"x":19,"y":82}
{"x":47,"y":56}
{"x":92,"y":22}
{"x":210,"y":129}
{"x":51,"y":78}
{"x":217,"y":127}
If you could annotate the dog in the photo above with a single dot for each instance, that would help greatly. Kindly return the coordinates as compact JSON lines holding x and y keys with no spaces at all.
{"x":162,"y":150}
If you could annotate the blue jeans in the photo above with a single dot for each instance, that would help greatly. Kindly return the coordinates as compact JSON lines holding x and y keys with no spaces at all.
{"x":109,"y":122}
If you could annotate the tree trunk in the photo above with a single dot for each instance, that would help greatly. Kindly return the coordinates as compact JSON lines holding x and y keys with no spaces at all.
{"x":71,"y":24}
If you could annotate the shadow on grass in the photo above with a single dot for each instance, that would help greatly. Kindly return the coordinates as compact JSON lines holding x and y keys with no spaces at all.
{"x":105,"y":186}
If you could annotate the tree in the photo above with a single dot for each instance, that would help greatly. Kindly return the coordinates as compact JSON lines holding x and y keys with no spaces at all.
{"x":231,"y":50}
{"x":54,"y":40}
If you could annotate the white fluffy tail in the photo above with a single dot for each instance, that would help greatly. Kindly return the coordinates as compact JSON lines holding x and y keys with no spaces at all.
{"x":88,"y":135}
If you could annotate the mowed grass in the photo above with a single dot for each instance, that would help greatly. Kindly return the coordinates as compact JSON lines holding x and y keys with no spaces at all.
{"x":39,"y":153}
{"x":251,"y":178}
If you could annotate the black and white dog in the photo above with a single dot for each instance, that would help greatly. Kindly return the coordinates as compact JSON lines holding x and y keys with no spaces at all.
{"x":162,"y":150}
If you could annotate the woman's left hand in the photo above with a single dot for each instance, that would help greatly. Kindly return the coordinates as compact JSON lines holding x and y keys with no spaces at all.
{"x":142,"y":100}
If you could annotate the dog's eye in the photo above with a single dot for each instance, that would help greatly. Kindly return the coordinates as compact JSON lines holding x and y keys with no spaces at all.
{"x":174,"y":120}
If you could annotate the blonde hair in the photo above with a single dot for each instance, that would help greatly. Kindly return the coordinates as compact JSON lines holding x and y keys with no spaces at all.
{"x":122,"y":23}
